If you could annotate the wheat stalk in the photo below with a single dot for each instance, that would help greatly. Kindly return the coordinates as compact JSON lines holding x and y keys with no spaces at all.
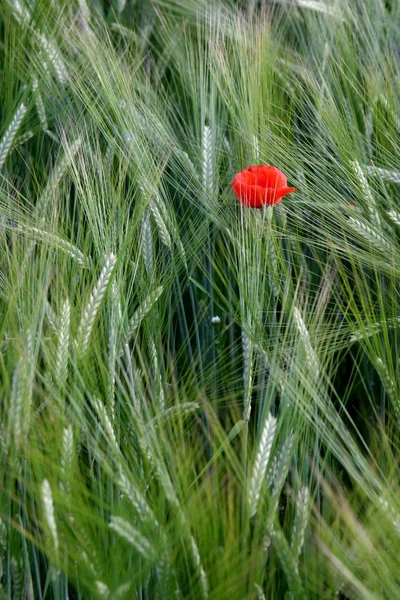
{"x":288,"y":563}
{"x":318,"y":6}
{"x":15,"y":411}
{"x":143,"y":310}
{"x":301,"y":520}
{"x":61,"y":244}
{"x":365,"y":188}
{"x":157,"y":376}
{"x":146,"y":243}
{"x":370,"y":235}
{"x":159,"y":213}
{"x":39,"y":105}
{"x":181,"y":410}
{"x":260,"y":593}
{"x":305,"y":337}
{"x":385,"y":174}
{"x":22,"y":139}
{"x":10,"y":133}
{"x":136,"y":498}
{"x":61,"y":362}
{"x":395,"y":216}
{"x":199,"y":567}
{"x":54,"y":58}
{"x":247,"y":374}
{"x":388,"y":383}
{"x":17,"y":577}
{"x":49,"y":513}
{"x":102,"y":589}
{"x":57,"y":174}
{"x":92,"y":308}
{"x":125,"y":530}
{"x":261,"y":463}
{"x":107,"y":425}
{"x":374,"y":329}
{"x":66,"y":459}
{"x":281,"y":471}
{"x":21,"y":13}
{"x":207,"y":165}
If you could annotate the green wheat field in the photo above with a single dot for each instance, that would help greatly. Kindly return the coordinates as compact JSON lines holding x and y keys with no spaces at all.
{"x":199,"y":400}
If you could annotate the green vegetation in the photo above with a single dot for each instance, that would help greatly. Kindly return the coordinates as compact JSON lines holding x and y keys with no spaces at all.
{"x":199,"y":400}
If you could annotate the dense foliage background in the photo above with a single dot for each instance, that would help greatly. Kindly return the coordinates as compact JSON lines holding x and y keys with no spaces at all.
{"x":199,"y":400}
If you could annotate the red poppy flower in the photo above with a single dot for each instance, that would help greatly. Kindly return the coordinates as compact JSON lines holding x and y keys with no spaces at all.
{"x":258,"y":186}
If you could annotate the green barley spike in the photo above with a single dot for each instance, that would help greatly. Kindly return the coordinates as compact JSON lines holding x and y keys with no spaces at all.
{"x":11,"y":132}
